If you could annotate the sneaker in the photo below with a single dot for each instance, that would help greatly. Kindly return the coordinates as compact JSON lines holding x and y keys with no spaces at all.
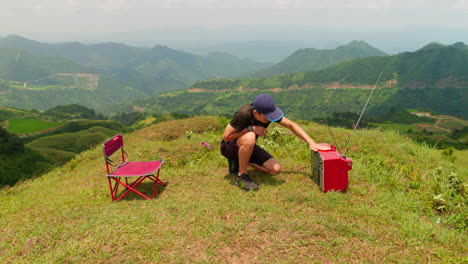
{"x":233,"y":166}
{"x":244,"y":182}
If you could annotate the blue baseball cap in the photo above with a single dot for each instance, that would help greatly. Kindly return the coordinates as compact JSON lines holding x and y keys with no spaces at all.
{"x":265,"y":104}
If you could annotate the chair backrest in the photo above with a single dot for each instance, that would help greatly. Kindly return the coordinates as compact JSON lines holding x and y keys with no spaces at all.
{"x":112,"y":145}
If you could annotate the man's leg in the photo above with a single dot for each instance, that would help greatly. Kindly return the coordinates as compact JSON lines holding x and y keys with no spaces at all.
{"x":246,"y":145}
{"x":270,"y":166}
{"x":230,"y":151}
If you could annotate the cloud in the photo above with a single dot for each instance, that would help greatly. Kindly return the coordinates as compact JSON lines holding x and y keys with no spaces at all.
{"x":460,"y":5}
{"x":131,"y":6}
{"x":95,"y":16}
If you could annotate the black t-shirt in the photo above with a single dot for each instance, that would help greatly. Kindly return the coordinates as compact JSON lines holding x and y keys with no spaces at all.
{"x":244,"y":117}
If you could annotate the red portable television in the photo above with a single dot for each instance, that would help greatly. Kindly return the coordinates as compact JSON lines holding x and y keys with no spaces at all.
{"x":330,"y":169}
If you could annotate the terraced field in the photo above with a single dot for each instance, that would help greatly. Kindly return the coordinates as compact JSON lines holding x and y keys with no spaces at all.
{"x":30,"y":125}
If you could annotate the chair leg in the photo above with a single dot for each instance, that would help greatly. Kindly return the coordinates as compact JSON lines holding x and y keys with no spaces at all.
{"x":155,"y":189}
{"x":113,"y":189}
{"x":157,"y":182}
{"x":130,"y":188}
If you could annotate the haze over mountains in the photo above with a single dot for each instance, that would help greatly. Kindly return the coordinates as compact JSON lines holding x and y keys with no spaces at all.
{"x":41,"y":75}
{"x":313,"y":59}
{"x":285,"y":39}
{"x":128,"y":72}
{"x":434,"y":77}
{"x":155,"y":69}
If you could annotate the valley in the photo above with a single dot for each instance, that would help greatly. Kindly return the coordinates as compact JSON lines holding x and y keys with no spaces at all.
{"x":60,"y":102}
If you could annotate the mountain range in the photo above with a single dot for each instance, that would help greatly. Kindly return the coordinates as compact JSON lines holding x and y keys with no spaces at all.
{"x":434,"y":77}
{"x":313,"y":59}
{"x":41,"y":75}
{"x":152,"y":70}
{"x":101,"y":75}
{"x":434,"y":65}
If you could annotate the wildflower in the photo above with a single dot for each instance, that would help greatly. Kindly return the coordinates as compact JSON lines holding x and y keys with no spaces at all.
{"x":206,"y":145}
{"x":288,"y":132}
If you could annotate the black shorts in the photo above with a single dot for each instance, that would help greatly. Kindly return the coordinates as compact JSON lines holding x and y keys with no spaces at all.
{"x":230,"y":150}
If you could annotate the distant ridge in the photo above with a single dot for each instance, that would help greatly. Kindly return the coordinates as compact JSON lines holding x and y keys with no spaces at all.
{"x":435,"y":78}
{"x":436,"y":45}
{"x":153,"y":70}
{"x":434,"y":65}
{"x":313,"y":59}
{"x":21,"y":65}
{"x":124,"y":71}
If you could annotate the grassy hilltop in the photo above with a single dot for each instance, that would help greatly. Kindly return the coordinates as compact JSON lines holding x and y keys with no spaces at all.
{"x":406,"y":203}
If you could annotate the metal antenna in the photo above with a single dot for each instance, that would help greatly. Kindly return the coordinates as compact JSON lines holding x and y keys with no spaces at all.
{"x":364,"y":109}
{"x":326,"y":122}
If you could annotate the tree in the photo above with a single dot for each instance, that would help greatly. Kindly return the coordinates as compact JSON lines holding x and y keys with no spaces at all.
{"x":10,"y":143}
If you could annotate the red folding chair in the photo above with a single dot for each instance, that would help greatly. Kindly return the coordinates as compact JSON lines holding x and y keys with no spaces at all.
{"x":140,"y":170}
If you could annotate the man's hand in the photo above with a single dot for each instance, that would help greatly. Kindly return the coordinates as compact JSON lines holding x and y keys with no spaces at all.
{"x":259,"y":130}
{"x":317,"y":147}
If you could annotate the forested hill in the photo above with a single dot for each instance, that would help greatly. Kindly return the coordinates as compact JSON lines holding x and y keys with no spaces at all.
{"x":431,"y":66}
{"x":41,"y":75}
{"x":20,"y":65}
{"x":313,"y":59}
{"x":440,"y":72}
{"x":153,"y":70}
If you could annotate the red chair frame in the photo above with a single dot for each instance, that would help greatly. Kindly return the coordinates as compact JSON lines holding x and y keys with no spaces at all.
{"x":141,"y":170}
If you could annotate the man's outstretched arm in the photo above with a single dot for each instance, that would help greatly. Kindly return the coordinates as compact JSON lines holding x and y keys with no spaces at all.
{"x":299,"y":132}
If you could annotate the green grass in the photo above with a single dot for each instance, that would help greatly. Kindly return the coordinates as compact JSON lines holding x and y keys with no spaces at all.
{"x":30,"y":125}
{"x":397,"y":127}
{"x":450,"y":122}
{"x":62,"y":146}
{"x":461,"y":158}
{"x":66,"y":216}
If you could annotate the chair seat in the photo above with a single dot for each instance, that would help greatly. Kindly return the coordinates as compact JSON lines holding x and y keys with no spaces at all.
{"x":136,"y":168}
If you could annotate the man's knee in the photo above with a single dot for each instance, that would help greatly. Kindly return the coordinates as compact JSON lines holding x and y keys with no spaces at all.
{"x":272,"y":166}
{"x":246,"y":140}
{"x":275,"y":169}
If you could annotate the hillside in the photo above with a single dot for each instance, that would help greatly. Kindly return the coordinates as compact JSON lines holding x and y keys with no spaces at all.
{"x":394,"y":211}
{"x":100,"y":94}
{"x":435,"y":78}
{"x":34,"y":142}
{"x":443,"y":66}
{"x":313,"y":59}
{"x":38,"y":75}
{"x":308,"y":103}
{"x":20,"y":65}
{"x":264,"y":51}
{"x":64,"y":146}
{"x":152,"y":70}
{"x":10,"y":113}
{"x":17,"y":161}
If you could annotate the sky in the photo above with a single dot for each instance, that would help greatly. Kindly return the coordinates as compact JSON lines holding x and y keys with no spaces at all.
{"x":123,"y":20}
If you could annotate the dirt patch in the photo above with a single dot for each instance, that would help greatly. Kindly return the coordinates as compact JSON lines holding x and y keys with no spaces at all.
{"x":92,"y":80}
{"x":138,"y":109}
{"x":414,"y":85}
{"x":449,"y":82}
{"x":335,"y":85}
{"x":391,"y":83}
{"x":49,"y":129}
{"x":338,"y":85}
{"x":42,"y":131}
